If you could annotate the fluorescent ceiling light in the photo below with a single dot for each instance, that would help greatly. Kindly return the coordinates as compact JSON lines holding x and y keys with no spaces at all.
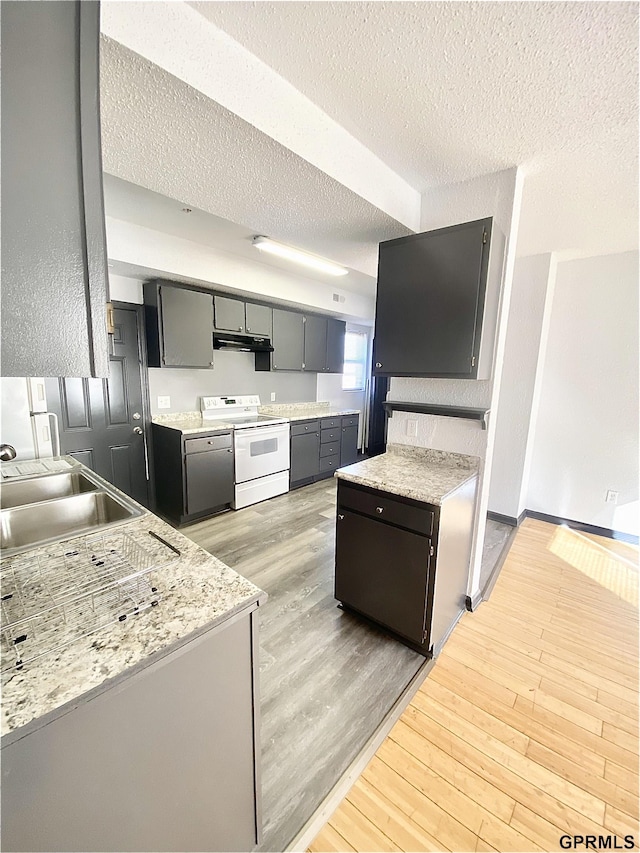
{"x":267,"y":245}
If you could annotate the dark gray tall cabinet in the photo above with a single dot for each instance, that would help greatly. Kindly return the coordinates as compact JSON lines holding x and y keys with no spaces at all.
{"x":54,"y":263}
{"x":315,"y":343}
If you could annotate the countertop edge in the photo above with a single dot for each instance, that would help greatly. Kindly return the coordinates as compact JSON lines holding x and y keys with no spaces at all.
{"x":370,"y":483}
{"x":35,"y":724}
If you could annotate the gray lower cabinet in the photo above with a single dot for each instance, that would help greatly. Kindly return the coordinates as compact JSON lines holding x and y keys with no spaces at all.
{"x":287,"y":340}
{"x":305,"y":452}
{"x":166,"y":758}
{"x":194,"y":475}
{"x":320,"y":447}
{"x":54,"y":260}
{"x":179,"y":326}
{"x":405,"y":564}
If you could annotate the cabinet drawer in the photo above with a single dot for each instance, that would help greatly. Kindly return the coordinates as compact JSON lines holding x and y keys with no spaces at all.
{"x":350,"y":420}
{"x":329,"y":463}
{"x":210,"y":442}
{"x":379,"y":505}
{"x":330,"y":423}
{"x":330,"y":449}
{"x":303,"y":427}
{"x":329,"y":435}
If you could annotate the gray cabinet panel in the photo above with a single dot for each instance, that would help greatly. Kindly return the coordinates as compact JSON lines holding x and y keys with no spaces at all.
{"x":165,"y":760}
{"x":430,"y":302}
{"x":228,"y":314}
{"x":336,"y":330}
{"x":187,"y":327}
{"x":315,"y":343}
{"x":349,"y":445}
{"x":305,"y":456}
{"x":209,"y":480}
{"x":288,"y":340}
{"x":258,"y":319}
{"x":54,"y":270}
{"x":383,"y":572}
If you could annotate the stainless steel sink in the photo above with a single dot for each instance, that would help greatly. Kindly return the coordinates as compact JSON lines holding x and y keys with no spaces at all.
{"x":38,"y":489}
{"x":30,"y":525}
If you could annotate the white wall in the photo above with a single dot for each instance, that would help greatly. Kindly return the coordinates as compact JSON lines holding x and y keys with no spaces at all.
{"x":586,"y":437}
{"x":169,"y":255}
{"x":497,"y":195}
{"x":233,"y":373}
{"x":527,"y":329}
{"x":125,"y":289}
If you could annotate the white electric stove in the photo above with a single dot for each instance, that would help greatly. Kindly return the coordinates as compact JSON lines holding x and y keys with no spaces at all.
{"x":261,"y":444}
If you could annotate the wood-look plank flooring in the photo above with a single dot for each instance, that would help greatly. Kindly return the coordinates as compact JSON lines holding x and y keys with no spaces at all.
{"x":526,"y":729}
{"x":327,"y":679}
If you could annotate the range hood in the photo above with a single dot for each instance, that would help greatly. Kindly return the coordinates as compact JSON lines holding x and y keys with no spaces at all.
{"x":241,"y":343}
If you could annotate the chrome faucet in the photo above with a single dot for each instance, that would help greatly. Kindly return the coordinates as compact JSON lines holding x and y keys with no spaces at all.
{"x":7,"y":452}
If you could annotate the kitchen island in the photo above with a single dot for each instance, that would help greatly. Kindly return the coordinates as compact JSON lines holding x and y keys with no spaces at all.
{"x":404,"y":532}
{"x":145,"y":734}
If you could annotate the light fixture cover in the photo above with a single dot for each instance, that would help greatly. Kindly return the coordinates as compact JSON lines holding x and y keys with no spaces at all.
{"x":266,"y":244}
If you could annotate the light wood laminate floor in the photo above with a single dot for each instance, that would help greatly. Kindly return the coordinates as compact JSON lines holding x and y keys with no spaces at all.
{"x":526,"y":729}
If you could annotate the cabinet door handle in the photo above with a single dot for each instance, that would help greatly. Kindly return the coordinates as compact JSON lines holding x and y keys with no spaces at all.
{"x":341,"y":517}
{"x":378,"y":364}
{"x":379,"y":509}
{"x":239,"y":328}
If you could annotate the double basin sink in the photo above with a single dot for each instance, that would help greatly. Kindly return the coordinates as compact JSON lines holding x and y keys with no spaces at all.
{"x":52,"y":507}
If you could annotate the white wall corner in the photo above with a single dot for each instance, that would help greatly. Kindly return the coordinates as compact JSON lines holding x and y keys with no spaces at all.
{"x":537,"y":387}
{"x":482,"y":506}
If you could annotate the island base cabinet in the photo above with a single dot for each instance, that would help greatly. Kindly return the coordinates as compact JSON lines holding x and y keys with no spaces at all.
{"x":382,"y":571}
{"x":165,"y":759}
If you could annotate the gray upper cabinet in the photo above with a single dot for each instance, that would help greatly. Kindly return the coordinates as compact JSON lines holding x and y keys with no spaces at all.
{"x":179,"y":326}
{"x":315,"y":343}
{"x":228,"y":314}
{"x":336,"y":330}
{"x":54,"y":264}
{"x":236,"y":315}
{"x":288,"y":340}
{"x":258,"y":319}
{"x":430,"y":302}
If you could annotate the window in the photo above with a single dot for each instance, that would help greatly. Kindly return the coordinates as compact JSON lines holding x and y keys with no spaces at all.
{"x":355,"y":358}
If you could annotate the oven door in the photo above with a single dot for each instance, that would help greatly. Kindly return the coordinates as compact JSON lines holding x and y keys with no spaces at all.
{"x":260,"y":451}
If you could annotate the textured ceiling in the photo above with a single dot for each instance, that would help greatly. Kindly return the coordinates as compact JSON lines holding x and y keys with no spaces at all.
{"x":440,"y":92}
{"x":443,"y":92}
{"x":161,"y":134}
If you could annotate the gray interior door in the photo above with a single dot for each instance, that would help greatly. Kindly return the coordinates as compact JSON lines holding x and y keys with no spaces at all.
{"x":99,"y":418}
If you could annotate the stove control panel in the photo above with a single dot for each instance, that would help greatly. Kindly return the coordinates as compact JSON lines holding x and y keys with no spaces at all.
{"x":227,"y":403}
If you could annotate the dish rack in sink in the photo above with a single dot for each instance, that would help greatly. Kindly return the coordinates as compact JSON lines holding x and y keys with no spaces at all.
{"x":60,"y":593}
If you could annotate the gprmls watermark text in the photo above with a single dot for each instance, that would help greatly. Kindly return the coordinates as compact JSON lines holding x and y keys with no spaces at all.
{"x":597,"y":842}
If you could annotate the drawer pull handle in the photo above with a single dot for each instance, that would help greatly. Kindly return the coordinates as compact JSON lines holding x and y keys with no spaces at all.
{"x":341,"y":517}
{"x":379,"y":509}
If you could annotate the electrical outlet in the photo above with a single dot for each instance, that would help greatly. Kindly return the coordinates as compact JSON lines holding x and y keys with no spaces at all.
{"x":164,"y":402}
{"x":412,"y":427}
{"x":612,"y":497}
{"x":273,"y":396}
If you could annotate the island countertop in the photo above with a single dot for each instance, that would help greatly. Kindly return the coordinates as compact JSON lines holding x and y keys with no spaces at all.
{"x":196,"y":592}
{"x":413,"y":472}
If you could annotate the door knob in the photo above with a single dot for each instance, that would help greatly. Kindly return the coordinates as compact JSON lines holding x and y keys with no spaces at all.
{"x":137,"y":430}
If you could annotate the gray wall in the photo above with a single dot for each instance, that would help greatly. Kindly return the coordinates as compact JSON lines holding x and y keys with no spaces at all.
{"x":233,"y":373}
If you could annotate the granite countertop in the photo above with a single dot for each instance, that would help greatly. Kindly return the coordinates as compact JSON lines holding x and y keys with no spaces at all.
{"x":306,"y":411}
{"x":196,"y":592}
{"x":191,"y":423}
{"x":413,"y":472}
